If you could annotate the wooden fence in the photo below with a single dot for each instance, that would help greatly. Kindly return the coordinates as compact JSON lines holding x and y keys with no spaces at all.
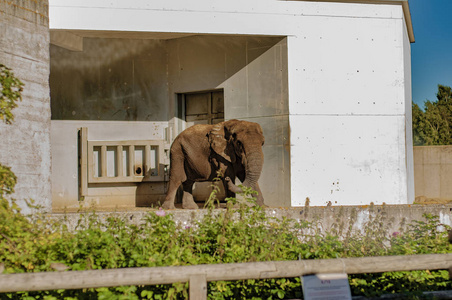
{"x":199,"y":275}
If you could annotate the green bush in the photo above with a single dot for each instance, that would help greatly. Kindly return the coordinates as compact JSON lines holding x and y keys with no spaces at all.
{"x":231,"y":235}
{"x":11,"y":93}
{"x":7,"y":181}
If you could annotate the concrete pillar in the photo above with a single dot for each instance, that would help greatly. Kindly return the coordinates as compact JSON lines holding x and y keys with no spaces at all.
{"x":25,"y":144}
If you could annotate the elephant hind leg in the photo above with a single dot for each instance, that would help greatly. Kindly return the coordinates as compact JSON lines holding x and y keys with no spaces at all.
{"x":171,"y":194}
{"x":187,"y":199}
{"x":177,"y":176}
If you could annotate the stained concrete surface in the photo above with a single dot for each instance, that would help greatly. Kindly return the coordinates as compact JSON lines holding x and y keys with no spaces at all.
{"x":25,"y":144}
{"x":394,"y":217}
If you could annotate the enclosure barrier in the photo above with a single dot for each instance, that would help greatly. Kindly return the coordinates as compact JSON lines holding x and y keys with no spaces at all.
{"x":199,"y":275}
{"x":121,"y":161}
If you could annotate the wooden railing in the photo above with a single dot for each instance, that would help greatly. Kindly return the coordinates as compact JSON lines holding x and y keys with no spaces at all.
{"x":121,"y":161}
{"x":199,"y":275}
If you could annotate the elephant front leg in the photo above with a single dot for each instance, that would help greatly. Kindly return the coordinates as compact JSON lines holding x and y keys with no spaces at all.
{"x":187,"y":199}
{"x":236,"y":190}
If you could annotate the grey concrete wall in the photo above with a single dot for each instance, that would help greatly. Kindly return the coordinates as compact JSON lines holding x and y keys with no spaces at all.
{"x":253,"y":73}
{"x":111,"y":79}
{"x":432,"y":172}
{"x":25,"y":145}
{"x":103,"y":87}
{"x":391,"y":218}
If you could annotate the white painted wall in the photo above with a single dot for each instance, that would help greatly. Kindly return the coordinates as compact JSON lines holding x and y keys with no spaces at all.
{"x":348,"y":74}
{"x":351,"y":83}
{"x":408,"y":118}
{"x":258,"y":17}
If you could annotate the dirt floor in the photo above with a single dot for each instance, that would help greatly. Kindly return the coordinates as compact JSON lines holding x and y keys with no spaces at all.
{"x":125,"y":208}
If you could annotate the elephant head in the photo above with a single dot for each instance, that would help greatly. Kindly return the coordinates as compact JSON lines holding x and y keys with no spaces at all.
{"x":240,"y":142}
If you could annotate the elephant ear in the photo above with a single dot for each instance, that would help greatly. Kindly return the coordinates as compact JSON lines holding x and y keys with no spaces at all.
{"x":219,"y":143}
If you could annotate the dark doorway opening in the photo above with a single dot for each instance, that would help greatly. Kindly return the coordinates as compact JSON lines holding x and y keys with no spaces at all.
{"x":206,"y":107}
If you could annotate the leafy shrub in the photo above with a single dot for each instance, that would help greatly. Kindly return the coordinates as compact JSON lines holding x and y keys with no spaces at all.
{"x":7,"y":181}
{"x":245,"y":234}
{"x":11,"y":89}
{"x":11,"y":92}
{"x":421,"y":237}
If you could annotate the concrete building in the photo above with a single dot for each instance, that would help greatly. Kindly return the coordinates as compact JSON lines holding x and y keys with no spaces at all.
{"x":329,"y":82}
{"x":25,"y":144}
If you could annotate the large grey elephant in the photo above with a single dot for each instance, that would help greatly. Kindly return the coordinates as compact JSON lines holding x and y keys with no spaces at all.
{"x":233,"y":147}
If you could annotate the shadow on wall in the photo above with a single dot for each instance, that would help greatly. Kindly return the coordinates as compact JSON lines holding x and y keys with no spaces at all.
{"x":131,"y":80}
{"x":112,"y":79}
{"x":151,"y":194}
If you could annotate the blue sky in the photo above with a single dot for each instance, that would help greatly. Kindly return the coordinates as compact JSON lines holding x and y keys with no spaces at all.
{"x":431,"y":54}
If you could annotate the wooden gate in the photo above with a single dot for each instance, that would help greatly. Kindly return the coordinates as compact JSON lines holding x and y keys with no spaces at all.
{"x":121,"y":161}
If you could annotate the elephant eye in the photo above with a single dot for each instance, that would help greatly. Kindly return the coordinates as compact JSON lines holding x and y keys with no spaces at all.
{"x":239,"y":143}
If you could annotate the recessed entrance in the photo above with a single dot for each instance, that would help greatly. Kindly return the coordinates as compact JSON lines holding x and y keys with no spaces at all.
{"x":124,"y":89}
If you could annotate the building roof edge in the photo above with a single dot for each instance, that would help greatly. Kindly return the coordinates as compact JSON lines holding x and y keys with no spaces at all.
{"x":404,"y":3}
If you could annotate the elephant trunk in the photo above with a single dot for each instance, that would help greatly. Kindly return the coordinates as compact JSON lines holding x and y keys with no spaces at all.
{"x":253,"y":169}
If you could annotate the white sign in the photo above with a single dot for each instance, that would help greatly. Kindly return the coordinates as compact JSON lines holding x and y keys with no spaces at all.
{"x":326,"y":287}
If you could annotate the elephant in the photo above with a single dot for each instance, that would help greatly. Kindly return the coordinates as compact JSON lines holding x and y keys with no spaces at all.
{"x":233,"y":148}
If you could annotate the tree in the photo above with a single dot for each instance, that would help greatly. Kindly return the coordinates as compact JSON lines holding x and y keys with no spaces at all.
{"x":433,"y":126}
{"x":11,"y":93}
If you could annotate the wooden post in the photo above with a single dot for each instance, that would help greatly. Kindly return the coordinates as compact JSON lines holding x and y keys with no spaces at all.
{"x":131,"y":165}
{"x":119,"y":162}
{"x":103,"y":160}
{"x":198,"y":287}
{"x":147,"y":161}
{"x":83,"y":152}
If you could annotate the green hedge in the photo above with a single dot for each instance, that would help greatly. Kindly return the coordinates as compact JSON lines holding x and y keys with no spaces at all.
{"x":234,"y":235}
